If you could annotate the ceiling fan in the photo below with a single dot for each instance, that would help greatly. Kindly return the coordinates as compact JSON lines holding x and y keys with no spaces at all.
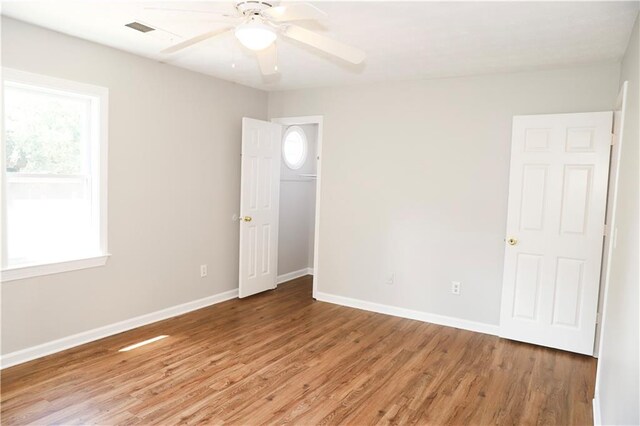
{"x":258,"y":24}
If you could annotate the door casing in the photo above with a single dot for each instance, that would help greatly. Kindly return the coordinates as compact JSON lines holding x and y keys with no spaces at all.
{"x":619,"y":117}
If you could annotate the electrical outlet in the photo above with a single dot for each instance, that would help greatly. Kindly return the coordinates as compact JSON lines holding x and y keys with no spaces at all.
{"x":391,"y":280}
{"x":455,"y":287}
{"x":203,"y":271}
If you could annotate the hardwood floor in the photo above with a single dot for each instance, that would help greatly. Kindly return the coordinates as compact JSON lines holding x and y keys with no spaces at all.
{"x":280,"y":357}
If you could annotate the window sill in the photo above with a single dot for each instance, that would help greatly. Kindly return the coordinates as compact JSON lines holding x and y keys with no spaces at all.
{"x":30,"y":271}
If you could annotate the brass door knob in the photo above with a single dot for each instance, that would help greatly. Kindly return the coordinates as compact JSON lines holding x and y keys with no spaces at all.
{"x":247,"y":218}
{"x":512,"y":241}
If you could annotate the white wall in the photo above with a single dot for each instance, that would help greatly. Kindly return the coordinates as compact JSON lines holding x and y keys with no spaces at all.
{"x":174,"y":176}
{"x":415,"y":180}
{"x":297,"y":210}
{"x":618,"y":387}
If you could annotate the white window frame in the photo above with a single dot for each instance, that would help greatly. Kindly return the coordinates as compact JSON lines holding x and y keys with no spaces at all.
{"x":305,"y":147}
{"x":99,"y":97}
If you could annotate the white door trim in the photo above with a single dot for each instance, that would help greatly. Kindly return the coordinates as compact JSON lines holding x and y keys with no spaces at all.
{"x":611,"y":226}
{"x":312,"y":119}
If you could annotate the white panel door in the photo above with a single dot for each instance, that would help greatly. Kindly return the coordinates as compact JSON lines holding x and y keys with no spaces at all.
{"x":259,"y":203}
{"x":555,"y":229}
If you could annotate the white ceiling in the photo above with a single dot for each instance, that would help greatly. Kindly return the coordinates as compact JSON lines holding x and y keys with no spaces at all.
{"x":403,"y":40}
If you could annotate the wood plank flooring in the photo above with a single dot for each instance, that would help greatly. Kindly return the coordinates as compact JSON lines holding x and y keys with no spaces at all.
{"x":282,"y":358}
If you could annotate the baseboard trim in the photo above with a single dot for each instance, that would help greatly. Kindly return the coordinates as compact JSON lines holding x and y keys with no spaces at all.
{"x":44,"y":349}
{"x":597,"y":416}
{"x":293,"y":275}
{"x":409,"y":313}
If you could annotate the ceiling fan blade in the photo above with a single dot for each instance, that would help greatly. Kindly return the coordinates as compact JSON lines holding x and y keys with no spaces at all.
{"x":194,"y":40}
{"x":268,"y":60}
{"x":294,"y":12}
{"x":320,"y":42}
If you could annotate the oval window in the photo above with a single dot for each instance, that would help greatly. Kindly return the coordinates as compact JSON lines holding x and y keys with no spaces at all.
{"x":294,"y":147}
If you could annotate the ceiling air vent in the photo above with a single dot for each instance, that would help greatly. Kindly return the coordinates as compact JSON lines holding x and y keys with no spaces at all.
{"x":140,"y":27}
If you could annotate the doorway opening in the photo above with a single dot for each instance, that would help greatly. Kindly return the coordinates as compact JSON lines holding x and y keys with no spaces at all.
{"x":299,"y":198}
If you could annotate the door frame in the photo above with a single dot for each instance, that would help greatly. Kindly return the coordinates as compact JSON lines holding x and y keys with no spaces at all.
{"x":296,"y":121}
{"x":611,"y":230}
{"x":621,"y":103}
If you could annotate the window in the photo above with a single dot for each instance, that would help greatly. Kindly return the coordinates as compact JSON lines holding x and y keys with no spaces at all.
{"x":54,"y":175}
{"x":294,"y":147}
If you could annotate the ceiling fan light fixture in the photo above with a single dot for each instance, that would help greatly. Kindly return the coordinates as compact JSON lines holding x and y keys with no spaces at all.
{"x":255,"y":35}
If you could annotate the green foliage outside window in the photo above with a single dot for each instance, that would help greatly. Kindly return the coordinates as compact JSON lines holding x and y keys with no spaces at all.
{"x":43,"y":132}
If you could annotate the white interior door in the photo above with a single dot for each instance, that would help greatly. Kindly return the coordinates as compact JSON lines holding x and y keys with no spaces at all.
{"x":259,"y":203}
{"x":555,"y":229}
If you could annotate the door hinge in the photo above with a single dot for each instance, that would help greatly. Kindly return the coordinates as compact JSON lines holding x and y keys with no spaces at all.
{"x":613,"y":139}
{"x":605,"y":232}
{"x":598,"y":318}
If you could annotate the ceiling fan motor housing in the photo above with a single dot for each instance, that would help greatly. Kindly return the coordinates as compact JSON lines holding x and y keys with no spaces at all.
{"x":252,"y":7}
